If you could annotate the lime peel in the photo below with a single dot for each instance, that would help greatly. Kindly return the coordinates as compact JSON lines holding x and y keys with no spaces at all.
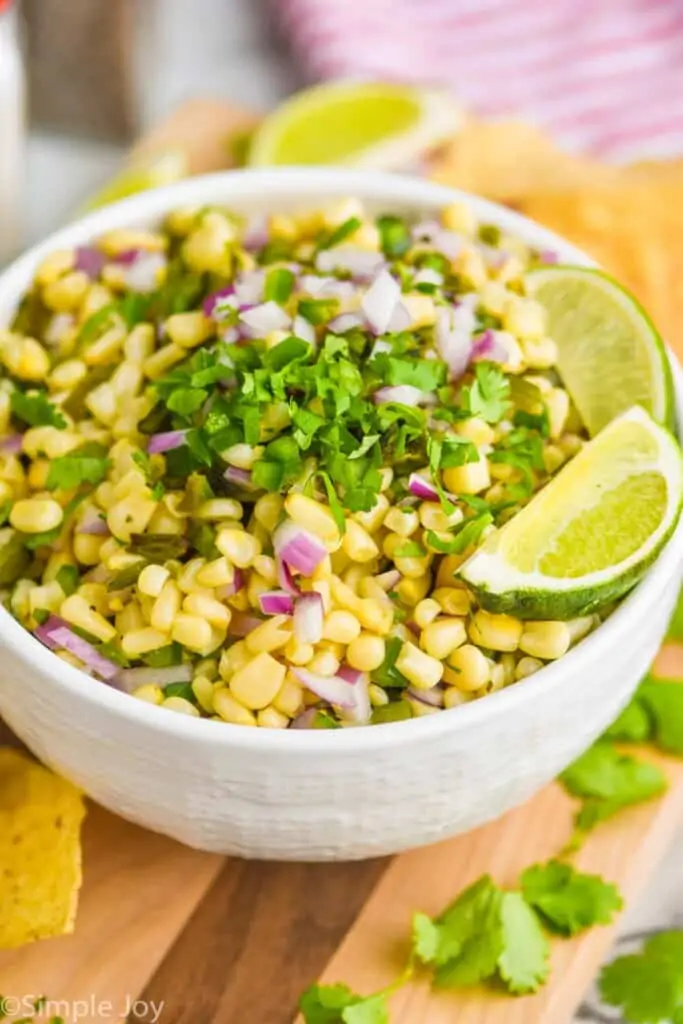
{"x":618,"y":499}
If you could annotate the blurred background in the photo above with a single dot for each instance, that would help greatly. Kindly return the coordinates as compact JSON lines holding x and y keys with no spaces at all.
{"x":99,"y":72}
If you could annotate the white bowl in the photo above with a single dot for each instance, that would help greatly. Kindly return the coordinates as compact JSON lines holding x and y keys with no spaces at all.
{"x":323,"y":795}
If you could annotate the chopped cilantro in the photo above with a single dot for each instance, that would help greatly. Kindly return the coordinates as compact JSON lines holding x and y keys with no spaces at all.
{"x":36,"y":410}
{"x":69,"y":579}
{"x":186,"y":401}
{"x":607,"y":781}
{"x":663,"y":700}
{"x":394,"y":236}
{"x":423,"y":374}
{"x":465,"y":535}
{"x":338,"y":1004}
{"x":489,"y":395}
{"x":164,"y":657}
{"x":84,"y":465}
{"x":279,"y":285}
{"x":568,"y":900}
{"x":387,"y":674}
{"x":340,"y":233}
{"x":183,"y":690}
{"x":648,"y":986}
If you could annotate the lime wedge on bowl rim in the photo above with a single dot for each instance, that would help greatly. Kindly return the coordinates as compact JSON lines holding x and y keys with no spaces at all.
{"x":591,"y":533}
{"x":367,"y":124}
{"x":611,"y":356}
{"x":160,"y":169}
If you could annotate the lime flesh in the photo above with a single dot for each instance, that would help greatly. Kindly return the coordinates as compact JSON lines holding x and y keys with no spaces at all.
{"x":591,"y":533}
{"x":610,"y":354}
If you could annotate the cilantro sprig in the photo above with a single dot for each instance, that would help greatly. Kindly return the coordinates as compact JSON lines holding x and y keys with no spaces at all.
{"x":36,"y":409}
{"x":648,"y":986}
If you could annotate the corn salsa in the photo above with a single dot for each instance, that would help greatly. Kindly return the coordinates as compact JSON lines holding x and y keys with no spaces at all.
{"x":242,"y":459}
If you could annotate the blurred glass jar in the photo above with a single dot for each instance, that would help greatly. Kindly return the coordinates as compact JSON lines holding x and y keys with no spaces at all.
{"x":12,"y":131}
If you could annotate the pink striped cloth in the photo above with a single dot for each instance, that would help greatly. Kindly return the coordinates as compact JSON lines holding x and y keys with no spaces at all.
{"x":604,"y":76}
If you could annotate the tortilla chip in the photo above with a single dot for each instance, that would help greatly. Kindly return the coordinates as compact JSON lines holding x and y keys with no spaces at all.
{"x":635,"y":231}
{"x":40,"y":851}
{"x":504,"y":160}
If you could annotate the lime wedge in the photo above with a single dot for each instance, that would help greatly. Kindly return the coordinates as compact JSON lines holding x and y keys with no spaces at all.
{"x":162,"y":169}
{"x":371,"y":125}
{"x":591,"y":533}
{"x":610,"y":354}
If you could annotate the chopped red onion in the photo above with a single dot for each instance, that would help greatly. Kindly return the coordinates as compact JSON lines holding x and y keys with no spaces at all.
{"x":400,"y":319}
{"x":389,"y":579}
{"x":229,"y":590}
{"x":305,"y":720}
{"x":265,"y":318}
{"x":548,"y":256}
{"x":229,"y":335}
{"x":249,"y":287}
{"x":56,"y":633}
{"x":242,"y":624}
{"x":380,"y":301}
{"x":285,"y":578}
{"x":428,"y":276}
{"x":241,"y":477}
{"x":255,"y":233}
{"x":359,"y":714}
{"x":128,"y":256}
{"x":299,"y":548}
{"x":308,"y":618}
{"x":333,"y":689}
{"x":313,"y":284}
{"x":433,"y":698}
{"x":360,"y":263}
{"x":433,"y":234}
{"x":276,"y":602}
{"x":142,"y":274}
{"x":219,"y":304}
{"x":92,"y":523}
{"x":304,"y":329}
{"x":89,"y":260}
{"x":11,"y":445}
{"x":404,"y":394}
{"x":488,"y":346}
{"x":129,"y":679}
{"x":345,"y":322}
{"x":425,"y":230}
{"x":454,"y":338}
{"x":422,"y":488}
{"x":166,"y":441}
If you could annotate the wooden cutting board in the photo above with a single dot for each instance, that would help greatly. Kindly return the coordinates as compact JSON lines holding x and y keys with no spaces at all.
{"x":172,"y":935}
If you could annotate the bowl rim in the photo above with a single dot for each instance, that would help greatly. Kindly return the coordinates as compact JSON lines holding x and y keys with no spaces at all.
{"x":314,"y":185}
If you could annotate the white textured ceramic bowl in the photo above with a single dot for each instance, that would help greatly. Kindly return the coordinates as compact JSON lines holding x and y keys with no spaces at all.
{"x":322,"y":794}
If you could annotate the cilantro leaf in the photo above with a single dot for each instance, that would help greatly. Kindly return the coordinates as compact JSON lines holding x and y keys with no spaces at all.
{"x":664,"y":701}
{"x":36,"y":410}
{"x":424,"y":374}
{"x":523,"y":964}
{"x":647,"y":986}
{"x":387,"y":674}
{"x":279,"y":285}
{"x":72,"y":470}
{"x":466,"y":535}
{"x":489,"y":395}
{"x":186,"y":401}
{"x":470,"y":937}
{"x":608,"y":781}
{"x":337,"y":1004}
{"x":339,"y":234}
{"x":633,"y":724}
{"x":568,"y":900}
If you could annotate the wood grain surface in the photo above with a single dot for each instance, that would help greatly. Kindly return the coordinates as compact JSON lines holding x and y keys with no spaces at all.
{"x":200,"y":939}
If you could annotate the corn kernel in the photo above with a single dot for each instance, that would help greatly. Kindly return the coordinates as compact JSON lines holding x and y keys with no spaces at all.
{"x":53,"y":266}
{"x":366,"y":652}
{"x":25,"y":358}
{"x":471,"y":478}
{"x":208,"y":608}
{"x":374,"y":517}
{"x":180,"y":705}
{"x":467,"y":669}
{"x":166,"y":607}
{"x":358,"y":544}
{"x":189,"y":329}
{"x":106,"y":349}
{"x":192,"y":632}
{"x":234,"y":658}
{"x":150,"y":693}
{"x":257,"y":684}
{"x":546,"y":640}
{"x":162,"y":360}
{"x":267,"y":510}
{"x":220,"y":508}
{"x":36,"y":515}
{"x":426,"y":611}
{"x":67,"y":375}
{"x":413,"y":589}
{"x":524,"y":318}
{"x":130,"y":619}
{"x":453,"y":698}
{"x":151,"y":580}
{"x":230,"y":710}
{"x":413,"y":566}
{"x":313,"y":516}
{"x":378,"y":697}
{"x":67,"y":292}
{"x":476,"y":430}
{"x":422,"y":670}
{"x":203,"y":689}
{"x":440,"y":638}
{"x":238,"y":546}
{"x":324,"y":663}
{"x":341,"y":627}
{"x":47,"y":598}
{"x":271,"y":635}
{"x":459,"y":217}
{"x":403,"y":522}
{"x":498,"y":632}
{"x":130,"y":515}
{"x":142,"y":641}
{"x":120,"y":240}
{"x":432,"y":517}
{"x":557,"y":404}
{"x":271,"y":718}
{"x":289,"y":698}
{"x":218,"y":573}
{"x":540,"y":353}
{"x":298,"y":653}
{"x":139,"y":344}
{"x":526,"y":667}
